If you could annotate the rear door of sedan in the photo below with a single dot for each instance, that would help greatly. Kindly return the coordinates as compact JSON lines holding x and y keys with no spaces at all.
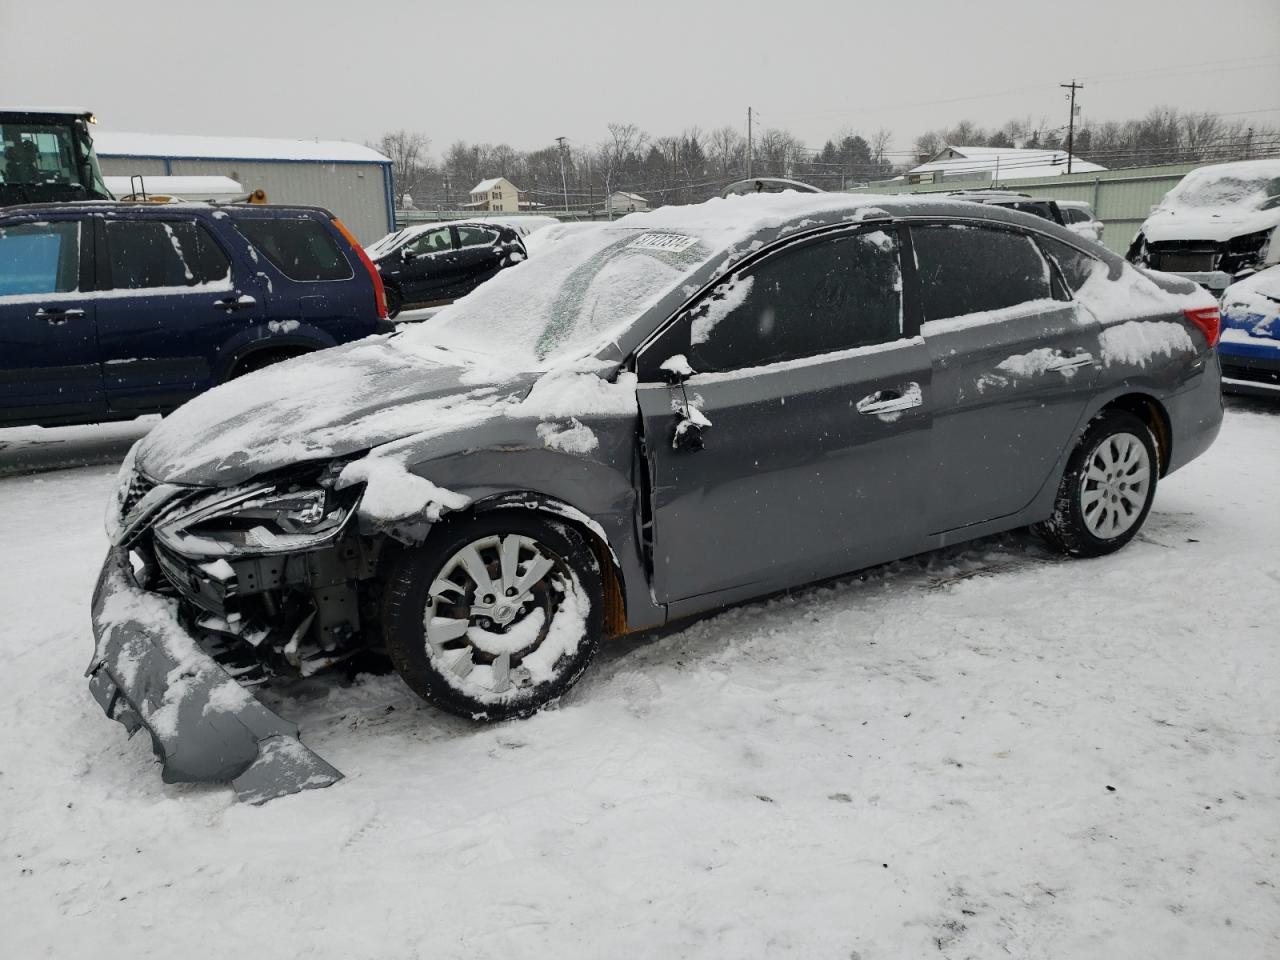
{"x":1014,"y":364}
{"x":809,"y":406}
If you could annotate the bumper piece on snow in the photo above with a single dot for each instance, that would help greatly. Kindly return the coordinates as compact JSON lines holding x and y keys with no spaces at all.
{"x":149,"y":673}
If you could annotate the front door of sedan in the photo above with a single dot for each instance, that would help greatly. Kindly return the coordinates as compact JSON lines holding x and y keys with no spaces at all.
{"x":49,"y":365}
{"x":1014,"y":365}
{"x":798,"y":448}
{"x":427,"y":268}
{"x":167,"y":306}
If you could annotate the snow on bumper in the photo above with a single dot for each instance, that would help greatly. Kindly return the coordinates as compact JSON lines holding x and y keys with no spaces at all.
{"x":148,"y":672}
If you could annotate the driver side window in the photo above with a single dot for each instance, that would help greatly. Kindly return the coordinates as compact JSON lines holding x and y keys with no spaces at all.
{"x":433,"y":241}
{"x":820,"y":296}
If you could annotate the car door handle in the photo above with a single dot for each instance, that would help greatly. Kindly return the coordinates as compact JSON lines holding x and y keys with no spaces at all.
{"x":891,"y":401}
{"x":56,"y":316}
{"x":1070,"y":361}
{"x":235,"y":303}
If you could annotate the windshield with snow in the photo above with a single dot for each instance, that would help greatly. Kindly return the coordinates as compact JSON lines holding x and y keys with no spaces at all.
{"x":566,"y":302}
{"x":1210,"y":187}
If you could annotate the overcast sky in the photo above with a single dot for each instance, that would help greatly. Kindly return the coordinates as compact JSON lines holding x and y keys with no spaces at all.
{"x":527,"y":72}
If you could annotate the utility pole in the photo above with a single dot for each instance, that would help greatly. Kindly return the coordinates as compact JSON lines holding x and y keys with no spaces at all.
{"x":749,"y":146}
{"x":564,"y":184}
{"x":1071,"y":119}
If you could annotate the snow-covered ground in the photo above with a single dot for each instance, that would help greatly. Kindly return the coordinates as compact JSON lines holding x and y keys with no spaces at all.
{"x":986,"y":752}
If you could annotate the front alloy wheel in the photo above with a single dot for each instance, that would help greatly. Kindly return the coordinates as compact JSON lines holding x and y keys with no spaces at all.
{"x":1107,"y":489}
{"x":493,"y":617}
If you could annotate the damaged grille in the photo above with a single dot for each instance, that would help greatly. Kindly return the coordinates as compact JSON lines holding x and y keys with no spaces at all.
{"x":1185,"y":256}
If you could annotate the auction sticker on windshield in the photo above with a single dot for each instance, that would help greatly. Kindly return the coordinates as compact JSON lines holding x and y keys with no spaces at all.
{"x":675,"y":242}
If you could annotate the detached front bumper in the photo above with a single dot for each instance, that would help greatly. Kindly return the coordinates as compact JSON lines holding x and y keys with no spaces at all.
{"x":149,"y":672}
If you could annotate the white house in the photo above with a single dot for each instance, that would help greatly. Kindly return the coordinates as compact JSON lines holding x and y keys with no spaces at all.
{"x":620,"y":202}
{"x":498,"y":195}
{"x":996,"y":163}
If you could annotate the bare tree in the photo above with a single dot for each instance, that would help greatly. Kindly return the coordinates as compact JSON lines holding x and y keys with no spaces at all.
{"x":727,"y":149}
{"x":623,"y":145}
{"x":408,"y":155}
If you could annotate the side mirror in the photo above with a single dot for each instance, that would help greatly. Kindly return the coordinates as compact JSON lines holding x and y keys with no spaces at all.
{"x":405,"y":255}
{"x":676,"y":369}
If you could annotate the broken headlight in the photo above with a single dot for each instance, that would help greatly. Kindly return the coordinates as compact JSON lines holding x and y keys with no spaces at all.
{"x":265,"y":519}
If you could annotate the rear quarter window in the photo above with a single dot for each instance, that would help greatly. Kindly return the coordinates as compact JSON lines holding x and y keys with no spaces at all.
{"x":1076,"y":267}
{"x":300,"y":248}
{"x":964,"y":270}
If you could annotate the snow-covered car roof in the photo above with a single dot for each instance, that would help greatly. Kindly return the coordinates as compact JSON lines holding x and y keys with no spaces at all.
{"x":1247,"y":183}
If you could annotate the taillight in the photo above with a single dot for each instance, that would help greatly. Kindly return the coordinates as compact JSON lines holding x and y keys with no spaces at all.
{"x":1208,"y":320}
{"x":379,"y":294}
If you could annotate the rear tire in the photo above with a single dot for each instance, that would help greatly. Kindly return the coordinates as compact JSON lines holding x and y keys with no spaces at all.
{"x":1107,"y":489}
{"x":495,"y":616}
{"x":261,"y":359}
{"x":395,"y":301}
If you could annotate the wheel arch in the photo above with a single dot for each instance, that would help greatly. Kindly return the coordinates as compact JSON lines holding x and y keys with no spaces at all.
{"x":293,"y":346}
{"x":1152,"y":412}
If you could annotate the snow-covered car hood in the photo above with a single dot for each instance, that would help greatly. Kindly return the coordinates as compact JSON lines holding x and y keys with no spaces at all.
{"x":326,"y":404}
{"x":1251,"y":308}
{"x":1211,"y":223}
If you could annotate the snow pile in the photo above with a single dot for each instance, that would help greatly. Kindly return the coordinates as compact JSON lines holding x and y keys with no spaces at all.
{"x":677,"y":365}
{"x":573,"y":437}
{"x":1138,"y":342}
{"x":574,"y":393}
{"x":1130,"y":294}
{"x":932,"y":740}
{"x":392,"y":493}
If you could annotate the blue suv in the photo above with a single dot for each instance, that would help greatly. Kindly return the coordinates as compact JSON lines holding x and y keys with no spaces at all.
{"x":112,"y":310}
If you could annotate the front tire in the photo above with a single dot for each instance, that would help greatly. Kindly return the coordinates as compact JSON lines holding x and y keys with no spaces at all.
{"x":493,"y":617}
{"x":1107,"y":489}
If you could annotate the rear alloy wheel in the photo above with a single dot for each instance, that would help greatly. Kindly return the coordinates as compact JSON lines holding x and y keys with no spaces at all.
{"x":494,"y":617}
{"x":1107,"y":489}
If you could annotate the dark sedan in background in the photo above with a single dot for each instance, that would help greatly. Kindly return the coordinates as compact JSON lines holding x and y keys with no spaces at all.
{"x":656,"y":418}
{"x":435,"y":263}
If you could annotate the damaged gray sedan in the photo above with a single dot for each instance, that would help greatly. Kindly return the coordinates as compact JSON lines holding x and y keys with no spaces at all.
{"x":675,"y":412}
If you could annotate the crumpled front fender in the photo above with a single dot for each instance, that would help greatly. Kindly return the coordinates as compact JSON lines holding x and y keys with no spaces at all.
{"x":147,"y":672}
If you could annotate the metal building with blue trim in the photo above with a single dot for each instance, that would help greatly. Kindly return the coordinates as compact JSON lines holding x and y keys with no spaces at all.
{"x":352,"y":180}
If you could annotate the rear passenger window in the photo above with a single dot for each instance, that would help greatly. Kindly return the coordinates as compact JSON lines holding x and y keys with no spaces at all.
{"x":301,"y":249}
{"x":39,"y":258}
{"x":964,"y":270}
{"x":1076,"y":267}
{"x":819,"y":297}
{"x":476,"y":237}
{"x":145,"y":254}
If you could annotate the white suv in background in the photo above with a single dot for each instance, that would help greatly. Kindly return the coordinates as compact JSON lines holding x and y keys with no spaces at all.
{"x":1080,"y":218}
